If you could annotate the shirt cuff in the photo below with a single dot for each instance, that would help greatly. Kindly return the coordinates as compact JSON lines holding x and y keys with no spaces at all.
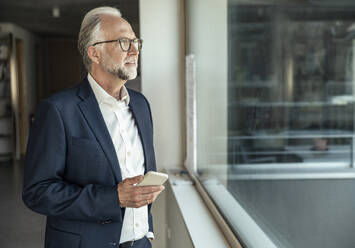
{"x":150,"y":235}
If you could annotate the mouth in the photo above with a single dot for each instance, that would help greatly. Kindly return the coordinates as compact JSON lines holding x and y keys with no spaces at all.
{"x":130,"y":62}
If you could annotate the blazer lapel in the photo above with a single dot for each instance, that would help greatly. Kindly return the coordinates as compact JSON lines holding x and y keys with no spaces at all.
{"x":140,"y":122}
{"x":91,"y":111}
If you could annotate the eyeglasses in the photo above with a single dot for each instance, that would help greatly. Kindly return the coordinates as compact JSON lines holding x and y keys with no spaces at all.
{"x":125,"y":43}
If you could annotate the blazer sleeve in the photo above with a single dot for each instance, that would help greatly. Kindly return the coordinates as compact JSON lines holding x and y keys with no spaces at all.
{"x":46,"y":191}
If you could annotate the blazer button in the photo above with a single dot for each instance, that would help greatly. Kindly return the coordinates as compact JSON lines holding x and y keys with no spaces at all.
{"x":112,"y":243}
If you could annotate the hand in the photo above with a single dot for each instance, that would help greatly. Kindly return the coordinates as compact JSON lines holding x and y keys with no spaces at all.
{"x":136,"y":196}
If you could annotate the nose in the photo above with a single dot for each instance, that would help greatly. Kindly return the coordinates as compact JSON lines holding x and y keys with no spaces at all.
{"x":133,"y":49}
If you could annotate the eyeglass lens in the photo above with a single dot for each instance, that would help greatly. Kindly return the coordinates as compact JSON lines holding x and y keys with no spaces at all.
{"x":126,"y":44}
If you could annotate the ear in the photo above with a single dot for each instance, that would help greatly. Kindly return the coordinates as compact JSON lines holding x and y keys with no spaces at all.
{"x":94,"y":54}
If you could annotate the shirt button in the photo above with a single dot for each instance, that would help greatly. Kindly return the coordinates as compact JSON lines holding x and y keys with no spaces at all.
{"x":128,"y":154}
{"x":137,"y":225}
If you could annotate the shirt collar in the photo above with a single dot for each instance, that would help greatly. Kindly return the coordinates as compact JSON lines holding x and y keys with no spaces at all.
{"x":103,"y":97}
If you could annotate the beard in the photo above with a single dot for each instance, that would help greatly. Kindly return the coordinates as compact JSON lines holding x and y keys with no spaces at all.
{"x":121,"y":72}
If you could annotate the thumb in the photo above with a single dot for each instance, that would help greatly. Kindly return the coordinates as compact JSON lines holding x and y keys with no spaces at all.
{"x":134,"y":180}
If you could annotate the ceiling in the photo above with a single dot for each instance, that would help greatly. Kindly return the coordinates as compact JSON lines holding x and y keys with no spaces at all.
{"x":37,"y":15}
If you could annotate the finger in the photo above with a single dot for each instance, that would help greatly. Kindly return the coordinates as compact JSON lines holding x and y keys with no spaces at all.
{"x":155,"y":196}
{"x":142,"y":200}
{"x":149,"y":189}
{"x":134,"y":180}
{"x":145,"y":203}
{"x":135,"y":202}
{"x":137,"y":198}
{"x":137,"y":194}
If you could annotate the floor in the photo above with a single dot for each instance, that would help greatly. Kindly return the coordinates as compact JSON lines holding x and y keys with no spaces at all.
{"x":19,"y":226}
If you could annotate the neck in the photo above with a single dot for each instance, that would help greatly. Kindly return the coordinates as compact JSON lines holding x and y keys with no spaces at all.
{"x":109,"y":82}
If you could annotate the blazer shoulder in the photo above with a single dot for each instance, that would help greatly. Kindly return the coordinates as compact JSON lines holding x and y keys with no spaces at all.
{"x":137,"y":96}
{"x":66,"y":97}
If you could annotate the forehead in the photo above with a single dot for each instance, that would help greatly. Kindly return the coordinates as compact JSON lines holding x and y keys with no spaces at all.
{"x":114,"y":27}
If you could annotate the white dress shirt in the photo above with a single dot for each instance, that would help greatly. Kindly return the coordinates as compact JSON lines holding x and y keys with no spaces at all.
{"x":129,"y":150}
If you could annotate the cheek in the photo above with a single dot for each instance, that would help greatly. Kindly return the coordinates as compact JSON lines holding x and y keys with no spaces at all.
{"x":119,"y":60}
{"x":116,"y":56}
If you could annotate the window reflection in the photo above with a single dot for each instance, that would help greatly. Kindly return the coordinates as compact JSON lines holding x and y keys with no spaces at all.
{"x":286,"y":159}
{"x":291,"y":112}
{"x":290,"y":90}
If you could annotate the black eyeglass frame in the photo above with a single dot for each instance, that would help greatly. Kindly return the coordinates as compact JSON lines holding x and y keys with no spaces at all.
{"x":139,"y":48}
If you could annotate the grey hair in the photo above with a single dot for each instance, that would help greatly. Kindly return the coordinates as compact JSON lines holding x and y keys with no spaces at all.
{"x":90,"y":31}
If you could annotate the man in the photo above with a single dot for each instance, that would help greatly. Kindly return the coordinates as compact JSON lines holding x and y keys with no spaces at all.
{"x":90,"y":145}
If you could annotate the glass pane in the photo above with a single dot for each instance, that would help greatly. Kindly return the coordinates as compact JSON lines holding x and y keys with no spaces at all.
{"x":290,"y":83}
{"x":291,"y":109}
{"x":286,"y":155}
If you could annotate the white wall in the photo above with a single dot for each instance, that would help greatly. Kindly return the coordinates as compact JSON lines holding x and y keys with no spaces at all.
{"x":162,"y":29}
{"x":162,"y":60}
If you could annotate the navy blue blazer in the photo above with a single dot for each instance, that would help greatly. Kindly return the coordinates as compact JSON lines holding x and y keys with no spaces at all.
{"x":71,"y":169}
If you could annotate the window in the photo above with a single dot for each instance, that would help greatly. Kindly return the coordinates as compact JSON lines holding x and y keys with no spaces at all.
{"x":290,"y":87}
{"x":275,"y":116}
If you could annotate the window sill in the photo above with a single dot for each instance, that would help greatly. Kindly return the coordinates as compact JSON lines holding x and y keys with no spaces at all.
{"x":248,"y":230}
{"x":200,"y":224}
{"x":196,"y":215}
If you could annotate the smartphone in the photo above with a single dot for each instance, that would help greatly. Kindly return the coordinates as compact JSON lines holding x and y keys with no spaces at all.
{"x":152,"y":178}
